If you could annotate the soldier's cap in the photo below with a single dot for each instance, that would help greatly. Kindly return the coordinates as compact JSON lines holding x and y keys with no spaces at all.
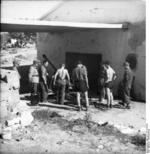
{"x":36,"y":61}
{"x":106,"y":62}
{"x":126,"y":63}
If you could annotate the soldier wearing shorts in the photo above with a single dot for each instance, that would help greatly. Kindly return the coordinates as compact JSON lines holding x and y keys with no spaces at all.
{"x":111,"y":76}
{"x":80,"y":82}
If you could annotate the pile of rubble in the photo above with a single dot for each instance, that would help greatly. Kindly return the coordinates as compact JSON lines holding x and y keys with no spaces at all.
{"x":19,"y":121}
{"x":9,"y":90}
{"x":14,"y":113}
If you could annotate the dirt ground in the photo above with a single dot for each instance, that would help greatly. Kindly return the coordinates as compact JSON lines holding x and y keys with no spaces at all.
{"x":25,"y":56}
{"x":62,"y":129}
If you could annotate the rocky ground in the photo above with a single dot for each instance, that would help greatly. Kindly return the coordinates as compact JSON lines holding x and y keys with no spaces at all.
{"x":25,"y":56}
{"x":53,"y":128}
{"x":62,"y":129}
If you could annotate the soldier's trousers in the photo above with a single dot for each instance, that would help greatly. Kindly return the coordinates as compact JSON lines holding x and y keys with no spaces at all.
{"x":34,"y":93}
{"x":126,"y":95}
{"x":43,"y":92}
{"x":61,"y":94}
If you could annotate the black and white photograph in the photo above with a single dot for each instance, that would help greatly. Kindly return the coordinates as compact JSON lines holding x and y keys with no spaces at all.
{"x":73,"y":77}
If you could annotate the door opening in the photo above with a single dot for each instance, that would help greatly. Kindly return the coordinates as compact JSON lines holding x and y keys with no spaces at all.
{"x":91,"y":61}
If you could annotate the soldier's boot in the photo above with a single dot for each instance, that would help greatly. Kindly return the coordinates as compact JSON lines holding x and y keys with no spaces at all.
{"x":79,"y":108}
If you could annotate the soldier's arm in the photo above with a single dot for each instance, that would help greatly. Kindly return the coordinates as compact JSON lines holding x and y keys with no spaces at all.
{"x":43,"y":71}
{"x":73,"y":76}
{"x":55,"y":76}
{"x":127,"y":76}
{"x":68,"y":76}
{"x":86,"y":77}
{"x":114,"y":75}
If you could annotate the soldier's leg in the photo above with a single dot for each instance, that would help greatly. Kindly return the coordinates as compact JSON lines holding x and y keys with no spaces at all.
{"x":86,"y":99}
{"x":62,"y":94}
{"x":128,"y":97}
{"x":38,"y":92}
{"x":111,"y":98}
{"x":126,"y":94}
{"x":43,"y":92}
{"x":58,"y":94}
{"x":45,"y":95}
{"x":108,"y":96}
{"x":101,"y":96}
{"x":32,"y":93}
{"x":78,"y":100}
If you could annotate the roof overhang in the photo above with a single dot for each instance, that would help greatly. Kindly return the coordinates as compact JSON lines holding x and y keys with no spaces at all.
{"x":44,"y":26}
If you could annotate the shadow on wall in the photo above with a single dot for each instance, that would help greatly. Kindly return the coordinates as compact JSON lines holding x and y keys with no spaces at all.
{"x":24,"y":82}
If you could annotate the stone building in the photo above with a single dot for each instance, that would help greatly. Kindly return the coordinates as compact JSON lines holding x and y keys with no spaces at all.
{"x":99,"y":44}
{"x":63,"y":36}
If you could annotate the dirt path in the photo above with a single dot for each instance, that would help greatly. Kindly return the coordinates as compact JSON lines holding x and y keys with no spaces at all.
{"x":62,"y":129}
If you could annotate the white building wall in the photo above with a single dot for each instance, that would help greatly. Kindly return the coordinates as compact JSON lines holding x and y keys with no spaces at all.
{"x":113,"y":44}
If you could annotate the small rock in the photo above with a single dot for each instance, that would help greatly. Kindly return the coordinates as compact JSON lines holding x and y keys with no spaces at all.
{"x":101,"y":147}
{"x":115,"y":148}
{"x":60,"y":142}
{"x":31,"y":138}
{"x":13,"y":121}
{"x":130,"y":126}
{"x":123,"y":148}
{"x":143,"y":130}
{"x":46,"y":150}
{"x":116,"y":140}
{"x":104,"y":124}
{"x":128,"y":131}
{"x":2,"y":142}
{"x":7,"y":136}
{"x":108,"y":144}
{"x":18,"y":139}
{"x":26,"y":118}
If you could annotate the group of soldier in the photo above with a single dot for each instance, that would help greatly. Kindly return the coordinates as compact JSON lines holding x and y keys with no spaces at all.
{"x":79,"y":82}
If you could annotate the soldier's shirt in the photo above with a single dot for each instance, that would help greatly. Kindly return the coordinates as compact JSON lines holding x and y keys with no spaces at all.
{"x":62,"y":73}
{"x":79,"y":73}
{"x":110,"y":74}
{"x":33,"y":74}
{"x":43,"y":73}
{"x":128,"y":77}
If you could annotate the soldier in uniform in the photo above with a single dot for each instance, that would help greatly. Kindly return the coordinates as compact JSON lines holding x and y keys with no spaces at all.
{"x":43,"y":81}
{"x":60,"y":79}
{"x":101,"y":82}
{"x":80,"y":82}
{"x":34,"y":80}
{"x":126,"y":85}
{"x":111,"y":76}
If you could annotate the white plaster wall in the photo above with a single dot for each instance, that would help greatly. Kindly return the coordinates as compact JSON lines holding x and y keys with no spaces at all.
{"x":113,"y":44}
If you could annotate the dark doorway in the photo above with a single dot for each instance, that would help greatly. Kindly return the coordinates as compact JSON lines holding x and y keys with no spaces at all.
{"x":91,"y":61}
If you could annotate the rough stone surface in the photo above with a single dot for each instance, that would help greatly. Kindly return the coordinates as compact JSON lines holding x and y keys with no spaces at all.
{"x":9,"y":91}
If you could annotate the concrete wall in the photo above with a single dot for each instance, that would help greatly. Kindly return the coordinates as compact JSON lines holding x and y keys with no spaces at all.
{"x":113,"y":44}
